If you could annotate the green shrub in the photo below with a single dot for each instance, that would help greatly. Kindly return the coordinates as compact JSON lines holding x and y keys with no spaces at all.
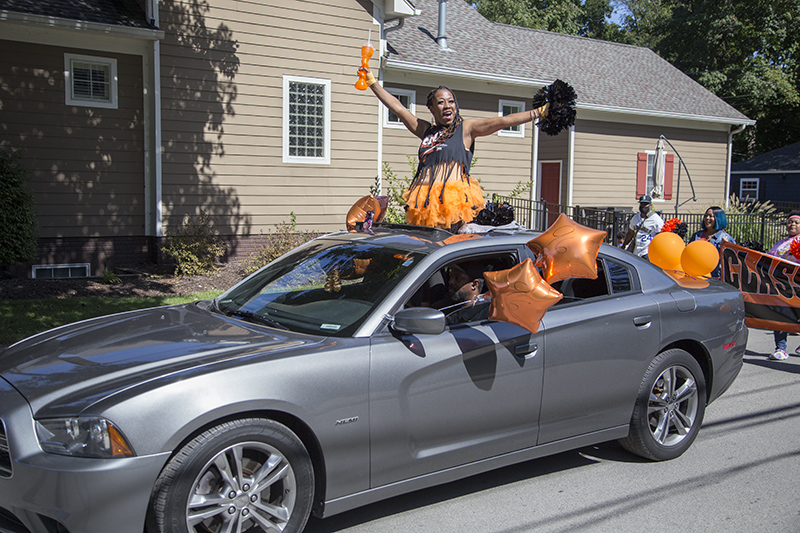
{"x":109,"y":277}
{"x":17,"y":216}
{"x":276,"y":243}
{"x":194,"y":246}
{"x":753,"y":224}
{"x":394,"y":186}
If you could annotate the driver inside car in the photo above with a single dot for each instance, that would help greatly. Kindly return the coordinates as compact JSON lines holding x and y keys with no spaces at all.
{"x":466,"y":300}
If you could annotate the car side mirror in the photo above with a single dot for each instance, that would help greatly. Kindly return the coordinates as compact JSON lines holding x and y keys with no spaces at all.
{"x":419,"y":320}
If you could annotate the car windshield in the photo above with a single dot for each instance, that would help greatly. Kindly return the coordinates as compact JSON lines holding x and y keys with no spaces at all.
{"x":326,"y":287}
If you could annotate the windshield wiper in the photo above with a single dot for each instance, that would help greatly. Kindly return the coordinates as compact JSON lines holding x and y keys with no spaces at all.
{"x":260,"y":319}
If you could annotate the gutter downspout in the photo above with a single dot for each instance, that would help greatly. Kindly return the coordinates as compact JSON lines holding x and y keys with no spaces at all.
{"x":571,"y":163}
{"x":381,"y":67}
{"x":534,"y":193}
{"x":740,"y":129}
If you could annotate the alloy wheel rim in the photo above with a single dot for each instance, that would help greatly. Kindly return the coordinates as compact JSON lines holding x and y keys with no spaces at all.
{"x":249,"y":486}
{"x":673,"y":405}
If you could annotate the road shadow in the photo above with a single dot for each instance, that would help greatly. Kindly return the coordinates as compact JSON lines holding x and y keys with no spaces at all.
{"x":580,"y":458}
{"x":789,"y":365}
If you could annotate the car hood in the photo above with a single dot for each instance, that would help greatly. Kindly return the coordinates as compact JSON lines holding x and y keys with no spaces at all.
{"x":70,"y":367}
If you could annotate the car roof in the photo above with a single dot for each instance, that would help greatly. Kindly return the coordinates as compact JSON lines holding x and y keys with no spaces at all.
{"x":423,"y":239}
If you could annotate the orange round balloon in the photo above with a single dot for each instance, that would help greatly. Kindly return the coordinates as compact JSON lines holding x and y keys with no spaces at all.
{"x":520,"y":295}
{"x":665,"y":250}
{"x":699,"y":258}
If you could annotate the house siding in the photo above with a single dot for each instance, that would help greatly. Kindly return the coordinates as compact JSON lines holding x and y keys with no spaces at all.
{"x":605,"y":164}
{"x":222,"y":73}
{"x":85,"y":163}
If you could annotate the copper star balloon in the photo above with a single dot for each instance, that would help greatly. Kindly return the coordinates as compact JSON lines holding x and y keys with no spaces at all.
{"x":520,"y":295}
{"x":567,"y":250}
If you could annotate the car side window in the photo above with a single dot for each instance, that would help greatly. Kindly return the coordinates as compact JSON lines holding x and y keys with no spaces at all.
{"x":612,"y":278}
{"x":450,"y":289}
{"x":620,"y":277}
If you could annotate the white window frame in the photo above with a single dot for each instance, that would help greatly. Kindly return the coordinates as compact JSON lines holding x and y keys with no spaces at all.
{"x":37,"y":271}
{"x":742,"y":181}
{"x":71,"y":99}
{"x":326,"y":158}
{"x":412,"y":99}
{"x":508,"y":132}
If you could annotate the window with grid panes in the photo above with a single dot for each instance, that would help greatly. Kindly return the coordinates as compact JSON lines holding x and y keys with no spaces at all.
{"x":306,"y":120}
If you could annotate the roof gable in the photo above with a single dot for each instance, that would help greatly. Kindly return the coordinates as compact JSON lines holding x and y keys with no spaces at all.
{"x":606,"y":76}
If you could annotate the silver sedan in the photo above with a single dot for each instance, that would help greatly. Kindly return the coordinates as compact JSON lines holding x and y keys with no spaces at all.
{"x":330,"y":379}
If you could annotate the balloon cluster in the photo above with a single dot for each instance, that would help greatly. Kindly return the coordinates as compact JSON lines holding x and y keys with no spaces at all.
{"x":521,"y":295}
{"x":668,"y":251}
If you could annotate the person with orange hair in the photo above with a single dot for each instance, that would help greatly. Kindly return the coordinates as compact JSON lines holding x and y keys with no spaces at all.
{"x":442,"y":193}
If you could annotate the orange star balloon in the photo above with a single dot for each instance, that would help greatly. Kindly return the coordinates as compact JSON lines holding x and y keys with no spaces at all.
{"x":567,"y":250}
{"x":520,"y":295}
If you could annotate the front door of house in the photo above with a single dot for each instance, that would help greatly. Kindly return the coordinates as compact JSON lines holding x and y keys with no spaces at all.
{"x":550,"y":189}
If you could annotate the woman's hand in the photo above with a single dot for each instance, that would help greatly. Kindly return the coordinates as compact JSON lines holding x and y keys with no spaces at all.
{"x":368,"y":77}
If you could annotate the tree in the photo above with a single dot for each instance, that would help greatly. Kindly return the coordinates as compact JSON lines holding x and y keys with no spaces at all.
{"x":17,"y":217}
{"x":745,"y":52}
{"x":642,"y":21}
{"x":574,"y":17}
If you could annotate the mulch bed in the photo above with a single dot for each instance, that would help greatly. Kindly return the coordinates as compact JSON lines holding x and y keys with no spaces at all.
{"x":137,"y":280}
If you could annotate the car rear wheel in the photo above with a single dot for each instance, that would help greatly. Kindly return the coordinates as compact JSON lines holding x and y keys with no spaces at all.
{"x":669,"y":407}
{"x":250,"y":475}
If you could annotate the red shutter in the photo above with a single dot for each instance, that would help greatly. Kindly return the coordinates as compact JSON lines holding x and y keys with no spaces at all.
{"x":669,"y":164}
{"x":641,"y":174}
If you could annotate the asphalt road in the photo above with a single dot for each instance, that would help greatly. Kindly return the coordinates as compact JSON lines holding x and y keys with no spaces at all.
{"x":742,"y":474}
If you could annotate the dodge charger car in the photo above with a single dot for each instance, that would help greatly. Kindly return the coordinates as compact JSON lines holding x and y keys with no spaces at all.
{"x":327,"y":381}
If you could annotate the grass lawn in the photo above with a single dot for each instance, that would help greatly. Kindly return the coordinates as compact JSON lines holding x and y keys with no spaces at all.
{"x":23,"y":318}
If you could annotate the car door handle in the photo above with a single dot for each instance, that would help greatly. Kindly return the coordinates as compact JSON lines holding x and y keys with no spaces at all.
{"x":526,"y":350}
{"x":643,"y":320}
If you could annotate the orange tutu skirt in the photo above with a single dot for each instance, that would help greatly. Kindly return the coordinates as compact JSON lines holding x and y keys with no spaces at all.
{"x":461,"y":202}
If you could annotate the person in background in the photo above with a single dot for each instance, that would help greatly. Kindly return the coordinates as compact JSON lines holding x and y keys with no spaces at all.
{"x":782,"y":249}
{"x":644,"y":225}
{"x":714,"y":224}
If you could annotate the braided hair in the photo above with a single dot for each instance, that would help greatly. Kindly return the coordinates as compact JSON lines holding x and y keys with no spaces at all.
{"x":451,"y":129}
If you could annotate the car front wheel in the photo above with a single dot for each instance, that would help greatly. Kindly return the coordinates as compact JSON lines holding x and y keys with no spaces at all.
{"x":250,"y":475}
{"x":669,"y":407}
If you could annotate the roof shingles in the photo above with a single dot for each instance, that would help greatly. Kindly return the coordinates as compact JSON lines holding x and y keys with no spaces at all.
{"x":605,"y":74}
{"x":116,"y":12}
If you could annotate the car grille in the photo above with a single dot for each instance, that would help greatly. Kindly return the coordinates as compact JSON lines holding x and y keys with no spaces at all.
{"x":5,"y":457}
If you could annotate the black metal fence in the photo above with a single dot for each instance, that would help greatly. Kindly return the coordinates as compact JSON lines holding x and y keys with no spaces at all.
{"x":755,"y":230}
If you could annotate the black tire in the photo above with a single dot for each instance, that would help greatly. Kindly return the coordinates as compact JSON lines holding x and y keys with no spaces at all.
{"x":669,"y":407}
{"x":255,"y":472}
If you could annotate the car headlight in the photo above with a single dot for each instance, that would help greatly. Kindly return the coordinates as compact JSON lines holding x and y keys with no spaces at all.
{"x":82,"y":437}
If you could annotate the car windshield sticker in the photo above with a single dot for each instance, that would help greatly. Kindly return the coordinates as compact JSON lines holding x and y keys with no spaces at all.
{"x":334,"y":327}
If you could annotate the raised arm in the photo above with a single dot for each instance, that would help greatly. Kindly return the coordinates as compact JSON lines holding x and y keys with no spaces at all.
{"x":487,"y":126}
{"x":415,"y":125}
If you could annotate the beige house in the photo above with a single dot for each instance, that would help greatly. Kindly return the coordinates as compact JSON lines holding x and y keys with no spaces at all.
{"x":134,"y":114}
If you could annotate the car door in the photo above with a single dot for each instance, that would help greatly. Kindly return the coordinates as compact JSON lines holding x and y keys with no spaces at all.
{"x":596,"y":349}
{"x":439,"y":401}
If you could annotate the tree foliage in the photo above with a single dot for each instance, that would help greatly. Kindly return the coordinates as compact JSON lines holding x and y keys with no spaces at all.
{"x":17,"y":216}
{"x":744,"y":51}
{"x":573,"y":17}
